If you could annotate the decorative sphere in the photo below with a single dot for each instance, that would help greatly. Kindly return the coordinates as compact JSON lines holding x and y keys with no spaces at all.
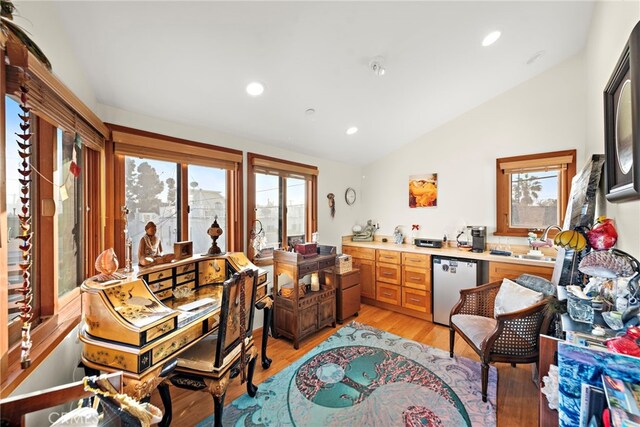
{"x":356,"y":229}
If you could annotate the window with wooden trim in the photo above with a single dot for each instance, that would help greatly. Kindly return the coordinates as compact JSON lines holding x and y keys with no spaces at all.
{"x":532,"y":191}
{"x":62,"y":217}
{"x":282,"y":204}
{"x":64,"y":206}
{"x":181,"y":186}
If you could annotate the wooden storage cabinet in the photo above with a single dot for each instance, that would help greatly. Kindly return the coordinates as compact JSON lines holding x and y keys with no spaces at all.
{"x":301,"y":314}
{"x":417,"y":278}
{"x":501,"y":270}
{"x":389,"y":273}
{"x":416,"y":260}
{"x":364,"y":259}
{"x":389,"y":257}
{"x":416,"y":299}
{"x":389,"y":293}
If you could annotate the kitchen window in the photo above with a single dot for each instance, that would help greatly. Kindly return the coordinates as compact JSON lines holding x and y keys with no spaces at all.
{"x":533,"y":191}
{"x":282,"y":203}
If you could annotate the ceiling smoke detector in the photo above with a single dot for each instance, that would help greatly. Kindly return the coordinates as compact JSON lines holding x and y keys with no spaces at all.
{"x":377,"y":68}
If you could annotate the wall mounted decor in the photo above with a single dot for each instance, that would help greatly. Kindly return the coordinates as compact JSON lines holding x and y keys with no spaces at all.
{"x":622,"y":124}
{"x":331,"y":198}
{"x":423,"y":191}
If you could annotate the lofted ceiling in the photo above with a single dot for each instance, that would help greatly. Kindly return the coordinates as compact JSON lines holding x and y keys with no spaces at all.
{"x":189,"y":62}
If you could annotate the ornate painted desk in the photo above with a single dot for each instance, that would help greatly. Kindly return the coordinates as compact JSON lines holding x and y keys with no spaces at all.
{"x":140,"y":325}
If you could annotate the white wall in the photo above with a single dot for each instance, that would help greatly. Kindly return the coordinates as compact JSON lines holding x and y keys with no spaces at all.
{"x":40,"y":20}
{"x":611,"y":26}
{"x":544,"y":114}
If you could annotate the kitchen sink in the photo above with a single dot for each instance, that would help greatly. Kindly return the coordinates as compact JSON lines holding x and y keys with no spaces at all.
{"x":533,"y":257}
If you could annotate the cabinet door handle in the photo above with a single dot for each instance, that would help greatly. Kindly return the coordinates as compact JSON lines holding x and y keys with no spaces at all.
{"x":415,"y":259}
{"x":416,"y":278}
{"x":387,"y":273}
{"x":414,"y":300}
{"x":387,"y":294}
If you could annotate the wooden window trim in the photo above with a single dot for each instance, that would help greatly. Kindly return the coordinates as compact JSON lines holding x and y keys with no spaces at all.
{"x":127,"y":141}
{"x":45,"y":337}
{"x":503,"y":186}
{"x":62,"y":313}
{"x":257,"y":163}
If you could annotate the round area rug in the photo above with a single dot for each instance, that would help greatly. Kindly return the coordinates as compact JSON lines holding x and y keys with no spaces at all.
{"x":363,"y":385}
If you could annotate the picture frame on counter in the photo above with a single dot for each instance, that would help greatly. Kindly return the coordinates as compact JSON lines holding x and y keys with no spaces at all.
{"x":622,"y":124}
{"x":183,"y":250}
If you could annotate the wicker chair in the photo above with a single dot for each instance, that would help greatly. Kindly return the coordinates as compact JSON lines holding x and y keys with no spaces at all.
{"x":511,"y":337}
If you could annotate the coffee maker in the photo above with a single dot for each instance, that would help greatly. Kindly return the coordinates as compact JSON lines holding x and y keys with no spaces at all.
{"x":479,"y":238}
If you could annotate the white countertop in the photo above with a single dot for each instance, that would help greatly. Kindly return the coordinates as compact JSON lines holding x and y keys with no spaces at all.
{"x":450,"y":252}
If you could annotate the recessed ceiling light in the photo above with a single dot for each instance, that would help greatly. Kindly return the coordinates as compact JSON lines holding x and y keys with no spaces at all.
{"x":352,"y":130}
{"x":491,"y":38}
{"x":255,"y":88}
{"x":310,"y":111}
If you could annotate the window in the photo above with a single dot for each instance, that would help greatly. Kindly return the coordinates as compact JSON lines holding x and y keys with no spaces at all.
{"x":14,"y":206}
{"x":182,"y":186}
{"x":207,"y":200}
{"x":151,"y":195}
{"x":283,"y":198}
{"x":65,"y":195}
{"x":69,"y":201}
{"x":532,"y":191}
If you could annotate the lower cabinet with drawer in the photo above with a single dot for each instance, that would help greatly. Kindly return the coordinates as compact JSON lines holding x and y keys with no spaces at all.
{"x":388,"y":293}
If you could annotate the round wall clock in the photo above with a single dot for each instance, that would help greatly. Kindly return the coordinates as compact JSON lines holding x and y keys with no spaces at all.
{"x":350,"y":196}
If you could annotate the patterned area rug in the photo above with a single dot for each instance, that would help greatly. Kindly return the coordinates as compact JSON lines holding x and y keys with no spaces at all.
{"x":362,"y":376}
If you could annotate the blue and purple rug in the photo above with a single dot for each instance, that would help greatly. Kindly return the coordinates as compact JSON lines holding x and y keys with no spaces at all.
{"x":362,"y":376}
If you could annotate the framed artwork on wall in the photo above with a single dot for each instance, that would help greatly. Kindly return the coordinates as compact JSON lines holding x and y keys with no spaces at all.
{"x":423,"y":191}
{"x":622,"y":124}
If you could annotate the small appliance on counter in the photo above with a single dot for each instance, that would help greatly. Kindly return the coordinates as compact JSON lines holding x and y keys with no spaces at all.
{"x":479,"y":238}
{"x":428,"y":243}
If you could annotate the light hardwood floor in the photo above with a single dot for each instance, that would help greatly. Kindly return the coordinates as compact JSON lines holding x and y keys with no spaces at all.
{"x":517,"y":394}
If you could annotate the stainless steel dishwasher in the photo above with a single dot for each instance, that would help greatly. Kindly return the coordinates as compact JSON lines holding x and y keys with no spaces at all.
{"x":450,"y":275}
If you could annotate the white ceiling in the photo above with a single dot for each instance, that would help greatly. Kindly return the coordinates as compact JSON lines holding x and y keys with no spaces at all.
{"x":189,"y":62}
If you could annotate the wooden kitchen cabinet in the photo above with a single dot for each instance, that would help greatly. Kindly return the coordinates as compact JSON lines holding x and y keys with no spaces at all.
{"x":364,"y":259}
{"x":501,"y":270}
{"x":389,"y":273}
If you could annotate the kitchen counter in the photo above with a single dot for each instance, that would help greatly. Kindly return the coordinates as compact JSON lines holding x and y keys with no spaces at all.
{"x":450,"y":252}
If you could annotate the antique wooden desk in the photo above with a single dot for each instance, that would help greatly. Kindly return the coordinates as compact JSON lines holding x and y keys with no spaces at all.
{"x":139,"y":325}
{"x":299,"y":313}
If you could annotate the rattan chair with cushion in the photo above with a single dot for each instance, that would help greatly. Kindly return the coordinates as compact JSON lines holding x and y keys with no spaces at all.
{"x":509,"y":338}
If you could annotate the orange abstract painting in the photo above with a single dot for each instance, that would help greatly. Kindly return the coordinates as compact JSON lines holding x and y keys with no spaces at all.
{"x":423,"y":191}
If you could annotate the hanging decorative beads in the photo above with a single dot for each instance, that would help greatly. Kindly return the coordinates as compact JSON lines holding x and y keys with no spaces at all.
{"x":24,"y":144}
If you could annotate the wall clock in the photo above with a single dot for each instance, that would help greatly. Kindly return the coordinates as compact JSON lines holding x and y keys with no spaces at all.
{"x":350,"y":196}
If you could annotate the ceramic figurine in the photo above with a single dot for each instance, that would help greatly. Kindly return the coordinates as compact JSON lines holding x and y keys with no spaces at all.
{"x":150,"y":248}
{"x":398,"y":237}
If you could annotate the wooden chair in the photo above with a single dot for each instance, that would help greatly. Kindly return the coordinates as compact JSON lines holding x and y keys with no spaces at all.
{"x":210,"y":364}
{"x":14,"y":409}
{"x":510,"y":337}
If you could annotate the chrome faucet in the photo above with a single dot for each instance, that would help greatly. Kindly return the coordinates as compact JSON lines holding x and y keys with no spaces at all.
{"x":544,"y":238}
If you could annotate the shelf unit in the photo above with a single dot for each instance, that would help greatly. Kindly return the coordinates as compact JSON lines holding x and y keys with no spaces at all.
{"x":300,"y":314}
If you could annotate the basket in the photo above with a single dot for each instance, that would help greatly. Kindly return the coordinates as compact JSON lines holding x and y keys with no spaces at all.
{"x":343,"y":264}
